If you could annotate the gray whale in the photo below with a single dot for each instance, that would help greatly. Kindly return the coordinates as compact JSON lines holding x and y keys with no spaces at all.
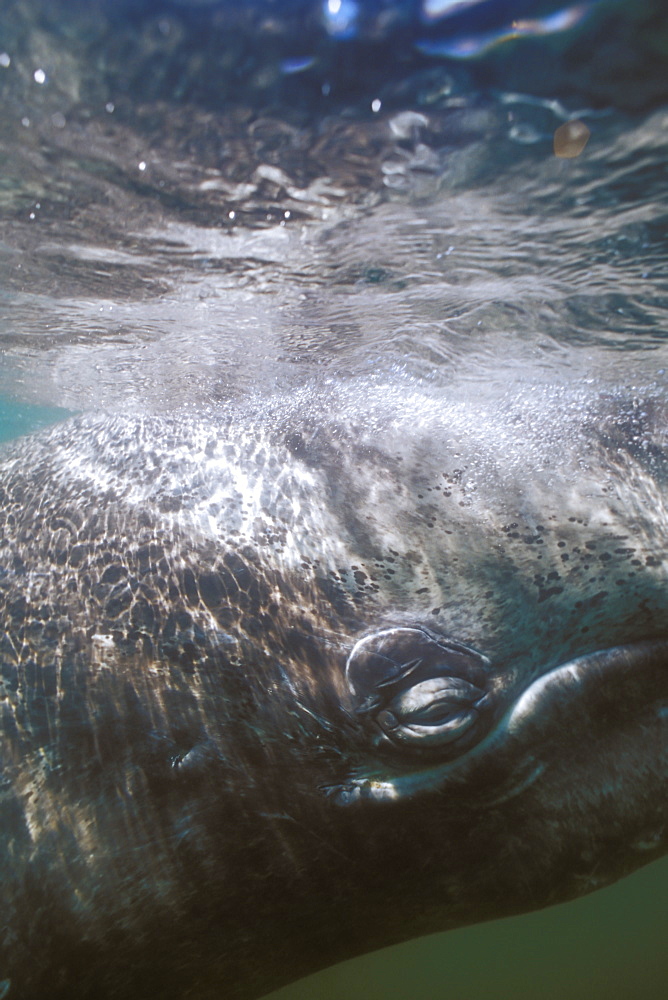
{"x":284,"y":686}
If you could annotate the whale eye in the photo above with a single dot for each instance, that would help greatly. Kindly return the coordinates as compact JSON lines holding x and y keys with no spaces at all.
{"x":415,"y":690}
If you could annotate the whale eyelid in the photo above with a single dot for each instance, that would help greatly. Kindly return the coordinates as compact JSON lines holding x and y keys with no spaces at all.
{"x":449,"y":645}
{"x":458,"y":647}
{"x":406,"y":669}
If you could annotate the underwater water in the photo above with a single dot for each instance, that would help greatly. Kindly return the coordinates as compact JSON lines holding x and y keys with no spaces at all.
{"x":608,"y":945}
{"x":196,"y":209}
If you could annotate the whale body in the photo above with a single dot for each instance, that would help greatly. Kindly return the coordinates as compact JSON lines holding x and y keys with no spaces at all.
{"x":287,"y":684}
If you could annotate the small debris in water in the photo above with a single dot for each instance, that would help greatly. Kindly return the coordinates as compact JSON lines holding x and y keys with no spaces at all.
{"x":570,"y":139}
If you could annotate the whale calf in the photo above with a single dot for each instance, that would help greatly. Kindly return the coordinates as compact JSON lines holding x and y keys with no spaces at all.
{"x":286,"y":684}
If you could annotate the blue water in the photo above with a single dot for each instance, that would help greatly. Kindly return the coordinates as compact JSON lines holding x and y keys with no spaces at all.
{"x":23,"y":418}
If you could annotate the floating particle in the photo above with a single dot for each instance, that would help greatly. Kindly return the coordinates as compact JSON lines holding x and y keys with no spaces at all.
{"x":432,"y":10}
{"x":340,"y":18}
{"x":297,"y":65}
{"x":570,"y":139}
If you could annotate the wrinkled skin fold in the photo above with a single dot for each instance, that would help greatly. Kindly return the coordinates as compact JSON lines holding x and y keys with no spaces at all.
{"x":277,"y":689}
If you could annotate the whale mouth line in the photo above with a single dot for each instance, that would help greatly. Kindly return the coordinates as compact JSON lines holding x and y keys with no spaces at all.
{"x":550,"y":705}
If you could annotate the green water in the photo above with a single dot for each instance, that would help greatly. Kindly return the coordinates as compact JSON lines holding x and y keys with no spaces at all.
{"x":608,"y":946}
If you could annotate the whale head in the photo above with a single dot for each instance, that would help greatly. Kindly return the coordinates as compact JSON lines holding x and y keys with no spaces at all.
{"x":286,"y":685}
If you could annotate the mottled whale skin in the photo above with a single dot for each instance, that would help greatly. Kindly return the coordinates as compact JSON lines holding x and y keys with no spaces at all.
{"x":285,"y":686}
